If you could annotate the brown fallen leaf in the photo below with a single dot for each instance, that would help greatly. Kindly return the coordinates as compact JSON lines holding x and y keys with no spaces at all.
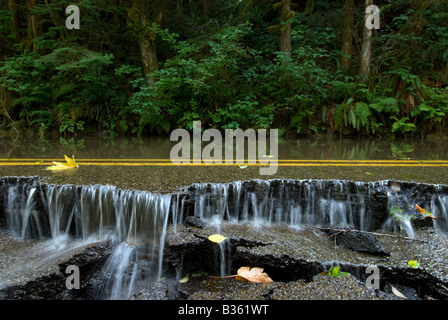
{"x":254,"y":274}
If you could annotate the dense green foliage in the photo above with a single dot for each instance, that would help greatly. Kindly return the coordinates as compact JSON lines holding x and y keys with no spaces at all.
{"x":224,"y":67}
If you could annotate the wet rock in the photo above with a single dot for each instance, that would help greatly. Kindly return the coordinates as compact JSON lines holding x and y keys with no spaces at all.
{"x":88,"y":256}
{"x":226,"y":289}
{"x":47,"y":280}
{"x":324,"y":288}
{"x":359,"y":241}
{"x":161,"y":290}
{"x":193,"y":221}
{"x":377,"y":206}
{"x":420,"y":221}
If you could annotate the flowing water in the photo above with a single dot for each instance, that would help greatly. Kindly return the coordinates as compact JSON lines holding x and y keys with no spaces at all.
{"x":137,"y":220}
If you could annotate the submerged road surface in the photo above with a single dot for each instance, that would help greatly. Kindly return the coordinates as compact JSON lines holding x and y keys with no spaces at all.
{"x":161,"y":175}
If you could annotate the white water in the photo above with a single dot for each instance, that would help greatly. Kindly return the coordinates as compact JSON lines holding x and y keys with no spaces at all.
{"x":72,"y":216}
{"x":314,"y":202}
{"x":77,"y":216}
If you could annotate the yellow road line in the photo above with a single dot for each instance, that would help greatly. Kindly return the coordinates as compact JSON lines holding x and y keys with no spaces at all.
{"x":362,"y":164}
{"x":245,"y":160}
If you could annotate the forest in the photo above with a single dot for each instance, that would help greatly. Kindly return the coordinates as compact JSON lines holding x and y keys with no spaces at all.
{"x":143,"y":68}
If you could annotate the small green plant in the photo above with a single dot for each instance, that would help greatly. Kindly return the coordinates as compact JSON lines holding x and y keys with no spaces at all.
{"x":397,"y":214}
{"x":402,"y":125}
{"x":414,"y":264}
{"x":337,"y":273}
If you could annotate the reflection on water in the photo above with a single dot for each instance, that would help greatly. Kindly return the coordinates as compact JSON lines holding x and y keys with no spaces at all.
{"x":159,"y":148}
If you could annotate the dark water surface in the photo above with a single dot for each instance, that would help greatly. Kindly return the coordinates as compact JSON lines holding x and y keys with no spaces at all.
{"x":159,"y":148}
{"x":171,"y":178}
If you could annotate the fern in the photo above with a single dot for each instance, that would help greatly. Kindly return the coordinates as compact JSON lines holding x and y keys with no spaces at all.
{"x":64,"y":89}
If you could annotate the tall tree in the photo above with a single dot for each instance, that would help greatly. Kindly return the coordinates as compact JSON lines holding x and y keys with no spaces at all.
{"x":139,"y":14}
{"x":366,"y":45}
{"x":285,"y":15}
{"x":13,"y":8}
{"x":206,"y":6}
{"x":309,"y":7}
{"x":347,"y":35}
{"x":34,"y":29}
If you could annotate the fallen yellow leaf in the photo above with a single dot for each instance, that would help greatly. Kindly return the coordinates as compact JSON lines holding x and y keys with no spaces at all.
{"x":71,"y":164}
{"x":217,"y":238}
{"x":254,"y":274}
{"x":70,"y":161}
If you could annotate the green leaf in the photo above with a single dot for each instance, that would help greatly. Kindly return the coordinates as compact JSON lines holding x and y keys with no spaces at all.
{"x":414,"y":264}
{"x":335,"y":271}
{"x":397,"y":214}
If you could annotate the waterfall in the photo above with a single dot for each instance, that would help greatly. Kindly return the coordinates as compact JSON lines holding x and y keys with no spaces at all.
{"x":137,"y":220}
{"x":295,"y":203}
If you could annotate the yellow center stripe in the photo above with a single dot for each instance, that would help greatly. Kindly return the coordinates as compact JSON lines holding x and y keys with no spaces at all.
{"x":13,"y":160}
{"x":263,"y":162}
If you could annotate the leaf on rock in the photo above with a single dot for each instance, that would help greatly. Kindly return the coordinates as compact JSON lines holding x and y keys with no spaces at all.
{"x":424,"y":212}
{"x":414,"y":264}
{"x":217,"y":238}
{"x":254,"y":274}
{"x":71,"y":164}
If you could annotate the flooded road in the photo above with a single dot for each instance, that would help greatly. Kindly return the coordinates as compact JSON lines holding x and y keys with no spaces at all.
{"x":298,"y":159}
{"x":160,"y":147}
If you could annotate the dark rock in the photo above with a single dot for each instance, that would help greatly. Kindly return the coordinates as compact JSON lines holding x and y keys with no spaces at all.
{"x":192,"y":221}
{"x":161,"y":290}
{"x":359,"y":241}
{"x":423,"y":222}
{"x":377,"y":206}
{"x":87,"y":256}
{"x":51,"y":284}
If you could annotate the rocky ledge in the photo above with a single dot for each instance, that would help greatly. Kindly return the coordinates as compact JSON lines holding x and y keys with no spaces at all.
{"x":297,"y":260}
{"x":32,"y":269}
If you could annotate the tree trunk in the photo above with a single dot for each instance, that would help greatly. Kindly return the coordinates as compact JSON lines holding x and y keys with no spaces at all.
{"x":347,"y":35}
{"x":12,"y":6}
{"x":309,"y":8}
{"x":34,"y":29}
{"x":146,"y":38}
{"x":286,"y":14}
{"x":366,"y":46}
{"x":206,"y":6}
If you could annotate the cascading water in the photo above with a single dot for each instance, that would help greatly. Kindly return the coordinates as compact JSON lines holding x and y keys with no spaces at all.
{"x":296,"y":203}
{"x":137,"y":220}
